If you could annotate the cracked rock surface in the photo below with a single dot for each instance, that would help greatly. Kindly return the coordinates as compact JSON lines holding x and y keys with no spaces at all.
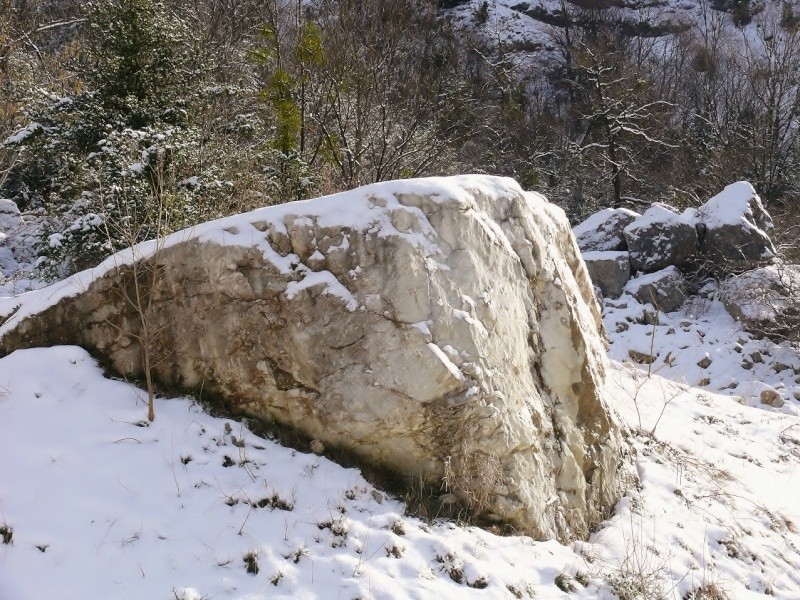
{"x":445,"y":328}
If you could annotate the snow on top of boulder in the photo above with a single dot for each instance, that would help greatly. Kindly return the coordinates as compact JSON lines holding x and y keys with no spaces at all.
{"x":383,"y":209}
{"x":8,"y":207}
{"x":604,"y":255}
{"x":661,"y":214}
{"x":651,"y":278}
{"x":603,"y":230}
{"x":595,"y":222}
{"x":732,"y":206}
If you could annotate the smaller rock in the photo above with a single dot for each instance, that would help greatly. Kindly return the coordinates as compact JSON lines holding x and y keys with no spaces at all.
{"x":756,"y":357}
{"x":664,"y":289}
{"x":764,"y":300}
{"x":609,"y":271}
{"x":317,"y":447}
{"x":641,"y":358}
{"x":704,"y":362}
{"x":9,"y":215}
{"x":796,"y":394}
{"x":704,"y":382}
{"x":650,"y":317}
{"x":779,"y":366}
{"x":747,"y":365}
{"x":771,"y":398}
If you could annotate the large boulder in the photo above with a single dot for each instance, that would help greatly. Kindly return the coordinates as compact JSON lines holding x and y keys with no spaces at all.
{"x":443,"y":328}
{"x":609,"y":271}
{"x":603,"y":231}
{"x":661,"y":237}
{"x":736,"y":230}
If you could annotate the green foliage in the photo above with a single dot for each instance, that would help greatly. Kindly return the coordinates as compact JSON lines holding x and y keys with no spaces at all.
{"x":280,"y":95}
{"x":139,"y":60}
{"x":116,"y":161}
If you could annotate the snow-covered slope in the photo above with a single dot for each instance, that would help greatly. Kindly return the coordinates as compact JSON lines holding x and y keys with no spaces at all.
{"x":93,"y":504}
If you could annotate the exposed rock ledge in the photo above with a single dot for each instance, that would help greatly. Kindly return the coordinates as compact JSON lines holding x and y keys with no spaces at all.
{"x":442,"y":327}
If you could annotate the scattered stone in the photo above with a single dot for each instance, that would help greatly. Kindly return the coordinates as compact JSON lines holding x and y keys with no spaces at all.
{"x":704,"y":382}
{"x":704,"y":362}
{"x":650,"y":317}
{"x":747,"y":365}
{"x":609,"y":271}
{"x":317,"y":447}
{"x":771,"y":398}
{"x":779,"y":366}
{"x":641,"y":358}
{"x":603,"y":231}
{"x":661,"y":238}
{"x":756,"y":357}
{"x":796,"y":394}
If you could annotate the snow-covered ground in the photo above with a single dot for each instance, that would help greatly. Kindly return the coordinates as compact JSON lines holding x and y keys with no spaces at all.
{"x":94,"y":504}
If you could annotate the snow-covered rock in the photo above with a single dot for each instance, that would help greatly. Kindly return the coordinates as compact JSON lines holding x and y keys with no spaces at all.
{"x":766,"y":301}
{"x":660,"y":238}
{"x":609,"y":271}
{"x":664,"y":289}
{"x":444,"y":328}
{"x":9,"y":217}
{"x":736,"y":229}
{"x":603,"y":231}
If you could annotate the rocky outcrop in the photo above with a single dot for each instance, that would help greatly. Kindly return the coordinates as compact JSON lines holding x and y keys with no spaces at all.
{"x":442,"y":328}
{"x":726,"y":236}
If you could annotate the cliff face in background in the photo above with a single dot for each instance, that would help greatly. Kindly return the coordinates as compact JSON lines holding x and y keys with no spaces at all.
{"x":444,"y":328}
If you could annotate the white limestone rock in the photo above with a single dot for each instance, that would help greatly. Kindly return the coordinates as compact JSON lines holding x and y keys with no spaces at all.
{"x":442,"y":328}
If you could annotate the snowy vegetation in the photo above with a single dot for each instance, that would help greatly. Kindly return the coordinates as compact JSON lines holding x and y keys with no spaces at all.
{"x":110,"y":110}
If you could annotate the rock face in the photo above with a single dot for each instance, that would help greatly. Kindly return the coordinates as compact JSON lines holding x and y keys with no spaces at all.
{"x":736,"y":226}
{"x":443,"y":328}
{"x":609,"y":271}
{"x":660,"y":238}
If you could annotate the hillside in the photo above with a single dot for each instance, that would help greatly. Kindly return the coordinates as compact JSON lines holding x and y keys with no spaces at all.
{"x":96,"y":504}
{"x":101,"y":503}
